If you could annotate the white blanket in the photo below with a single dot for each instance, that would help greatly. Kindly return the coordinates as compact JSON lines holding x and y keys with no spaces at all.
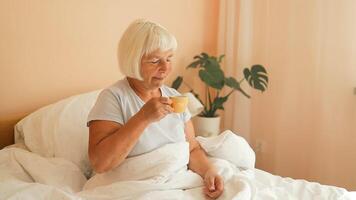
{"x":160,"y":174}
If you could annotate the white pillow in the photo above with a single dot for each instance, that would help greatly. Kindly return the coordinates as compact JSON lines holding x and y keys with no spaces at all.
{"x":59,"y":130}
{"x":231,"y":147}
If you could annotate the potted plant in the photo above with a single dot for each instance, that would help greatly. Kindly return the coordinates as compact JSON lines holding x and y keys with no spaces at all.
{"x":210,"y":72}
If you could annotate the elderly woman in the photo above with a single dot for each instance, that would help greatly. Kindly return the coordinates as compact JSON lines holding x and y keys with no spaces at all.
{"x":134,"y":115}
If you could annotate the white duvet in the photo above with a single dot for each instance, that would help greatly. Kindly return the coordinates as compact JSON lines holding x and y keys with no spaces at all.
{"x":160,"y":174}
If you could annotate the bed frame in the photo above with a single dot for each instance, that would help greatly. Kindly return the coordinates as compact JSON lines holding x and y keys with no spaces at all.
{"x":7,"y":130}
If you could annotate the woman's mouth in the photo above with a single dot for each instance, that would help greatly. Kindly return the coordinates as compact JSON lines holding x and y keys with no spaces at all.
{"x":158,"y":78}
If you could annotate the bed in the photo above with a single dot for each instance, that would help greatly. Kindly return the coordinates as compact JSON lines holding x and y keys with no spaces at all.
{"x":49,"y":161}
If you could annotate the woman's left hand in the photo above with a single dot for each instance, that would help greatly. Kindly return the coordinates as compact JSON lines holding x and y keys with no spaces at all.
{"x":214,"y":184}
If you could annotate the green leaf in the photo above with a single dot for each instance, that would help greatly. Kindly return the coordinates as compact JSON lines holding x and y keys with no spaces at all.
{"x":247,"y":73}
{"x":232,"y":82}
{"x":176,"y":83}
{"x":194,"y":64}
{"x":204,"y":55}
{"x":211,"y":73}
{"x":197,"y":57}
{"x":219,"y":101}
{"x":220,"y":58}
{"x":213,"y":77}
{"x":257,"y":77}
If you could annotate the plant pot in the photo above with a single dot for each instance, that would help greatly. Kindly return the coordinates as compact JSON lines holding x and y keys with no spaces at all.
{"x":206,"y":126}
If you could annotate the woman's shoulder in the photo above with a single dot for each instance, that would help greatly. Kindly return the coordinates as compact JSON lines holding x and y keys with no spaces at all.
{"x":117,"y":89}
{"x":170,"y":91}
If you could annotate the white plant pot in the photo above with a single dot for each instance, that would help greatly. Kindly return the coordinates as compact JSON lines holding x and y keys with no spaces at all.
{"x":206,"y":126}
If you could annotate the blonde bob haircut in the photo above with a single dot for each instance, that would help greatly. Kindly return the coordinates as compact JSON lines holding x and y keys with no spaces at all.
{"x":142,"y":37}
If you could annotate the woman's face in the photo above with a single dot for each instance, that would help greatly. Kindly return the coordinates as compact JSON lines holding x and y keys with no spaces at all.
{"x":155,"y":67}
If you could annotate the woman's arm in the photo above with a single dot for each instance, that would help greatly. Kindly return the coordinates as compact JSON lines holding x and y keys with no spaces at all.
{"x":198,"y":161}
{"x":110,"y":142}
{"x":200,"y":164}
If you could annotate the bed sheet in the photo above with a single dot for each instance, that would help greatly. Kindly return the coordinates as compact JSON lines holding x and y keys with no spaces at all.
{"x":160,"y":174}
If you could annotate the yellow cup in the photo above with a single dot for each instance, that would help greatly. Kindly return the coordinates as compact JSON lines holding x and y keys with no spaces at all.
{"x":179,"y":103}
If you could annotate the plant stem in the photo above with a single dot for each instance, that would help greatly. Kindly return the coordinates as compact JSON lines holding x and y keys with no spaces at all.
{"x":188,"y":85}
{"x":206,"y":98}
{"x":240,"y":89}
{"x":209,"y":98}
{"x":241,"y":80}
{"x":211,"y":103}
{"x":244,"y":93}
{"x":230,"y":92}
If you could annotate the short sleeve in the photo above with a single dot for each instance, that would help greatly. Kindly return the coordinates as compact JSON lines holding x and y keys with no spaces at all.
{"x":107,"y":107}
{"x":186,"y":115}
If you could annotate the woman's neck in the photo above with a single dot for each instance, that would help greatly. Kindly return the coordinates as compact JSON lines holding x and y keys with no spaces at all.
{"x":143,"y":91}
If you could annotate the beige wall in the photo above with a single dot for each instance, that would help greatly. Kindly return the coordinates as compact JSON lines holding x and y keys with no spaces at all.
{"x":53,"y":49}
{"x":306,"y":121}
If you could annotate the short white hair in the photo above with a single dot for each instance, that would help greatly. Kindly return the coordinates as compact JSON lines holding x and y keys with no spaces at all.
{"x":142,"y":37}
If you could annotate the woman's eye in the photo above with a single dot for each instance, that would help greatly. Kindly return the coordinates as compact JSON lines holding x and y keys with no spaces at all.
{"x":155,"y":61}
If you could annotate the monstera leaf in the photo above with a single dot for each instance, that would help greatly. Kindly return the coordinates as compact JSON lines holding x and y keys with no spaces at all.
{"x":256,"y":77}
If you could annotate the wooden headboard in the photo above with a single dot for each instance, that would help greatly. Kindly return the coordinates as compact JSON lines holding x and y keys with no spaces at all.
{"x":7,"y":130}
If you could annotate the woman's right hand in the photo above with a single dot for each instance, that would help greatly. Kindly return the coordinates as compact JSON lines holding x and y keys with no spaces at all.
{"x":156,"y":109}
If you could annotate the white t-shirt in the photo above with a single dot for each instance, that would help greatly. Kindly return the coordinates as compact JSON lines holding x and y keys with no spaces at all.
{"x":119,"y":103}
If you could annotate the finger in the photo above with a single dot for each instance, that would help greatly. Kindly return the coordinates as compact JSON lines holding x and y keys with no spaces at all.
{"x":211,"y":195}
{"x":207,"y":197}
{"x":214,"y":194}
{"x":170,"y":109}
{"x":165,"y":100}
{"x":208,"y":193}
{"x":219,"y":183}
{"x":167,"y":109}
{"x":163,"y":113}
{"x":211,"y":183}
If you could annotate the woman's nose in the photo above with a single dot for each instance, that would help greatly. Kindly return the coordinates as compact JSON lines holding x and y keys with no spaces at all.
{"x":164,"y":66}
